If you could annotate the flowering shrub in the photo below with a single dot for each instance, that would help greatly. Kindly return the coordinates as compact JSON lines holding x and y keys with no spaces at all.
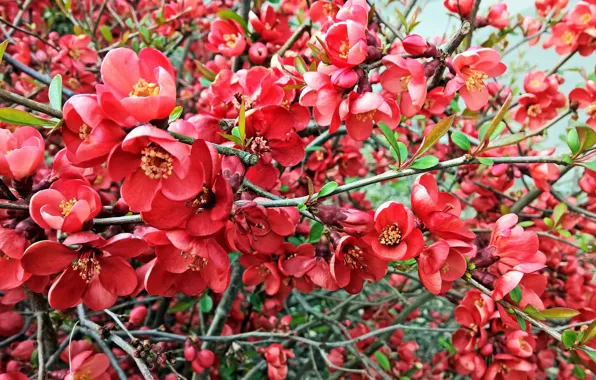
{"x":296,"y":189}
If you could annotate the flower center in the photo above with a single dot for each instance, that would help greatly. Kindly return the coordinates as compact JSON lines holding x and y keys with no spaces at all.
{"x":344,"y":49}
{"x":144,"y":89}
{"x":353,"y":258}
{"x":474,"y":81}
{"x":534,"y":83}
{"x":66,"y":206}
{"x":73,"y":83}
{"x":404,"y":81}
{"x":195,"y":262}
{"x":428,"y":103}
{"x":365,"y":116}
{"x":74,"y":53}
{"x":156,"y":162}
{"x":263,"y":270}
{"x":568,"y":37}
{"x":390,"y":235}
{"x":84,"y":131}
{"x":205,"y":199}
{"x":231,"y":39}
{"x":87,"y":265}
{"x":591,"y":110}
{"x":445,"y":268}
{"x":586,"y":18}
{"x":534,"y":110}
{"x":85,"y":375}
{"x":479,"y":302}
{"x":319,"y":155}
{"x":259,"y":145}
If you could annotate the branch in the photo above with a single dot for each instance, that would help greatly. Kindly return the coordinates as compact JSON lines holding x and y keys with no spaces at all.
{"x":452,"y":45}
{"x":246,"y":157}
{"x":47,"y":340}
{"x":295,"y":37}
{"x":33,"y":73}
{"x":25,"y":31}
{"x":31,"y":104}
{"x":472,"y":23}
{"x":533,"y":195}
{"x":572,"y":207}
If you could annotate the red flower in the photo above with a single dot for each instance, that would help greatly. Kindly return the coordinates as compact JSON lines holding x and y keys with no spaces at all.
{"x":66,"y":206}
{"x":354,"y":262}
{"x":226,"y":37}
{"x":394,"y":236}
{"x":439,"y":211}
{"x":96,"y":273}
{"x":137,"y":88}
{"x":536,"y":109}
{"x":346,"y":44}
{"x":75,"y":52}
{"x":439,"y":266}
{"x":544,"y":172}
{"x":206,"y":212}
{"x":321,"y":94}
{"x":261,"y":268}
{"x":463,"y":7}
{"x":265,"y":24}
{"x":277,"y":361}
{"x":405,"y":77}
{"x":360,"y":111}
{"x":150,"y":161}
{"x":186,"y":263}
{"x":521,"y":343}
{"x":21,"y":152}
{"x":586,"y":97}
{"x":296,"y":261}
{"x":88,"y":365}
{"x":89,"y":135}
{"x":506,"y":367}
{"x":471,"y":68}
{"x":472,"y":314}
{"x":12,"y":247}
{"x":498,"y":16}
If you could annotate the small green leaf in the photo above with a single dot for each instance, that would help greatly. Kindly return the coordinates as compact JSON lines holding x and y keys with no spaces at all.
{"x":587,"y":138}
{"x":564,"y":233}
{"x":526,"y":223}
{"x":548,"y":222}
{"x":484,"y":139}
{"x":485,"y":161}
{"x":579,"y":372}
{"x":55,"y":92}
{"x":300,"y":65}
{"x":534,"y":313}
{"x":315,"y":232}
{"x":448,"y":346}
{"x":206,"y":303}
{"x":566,"y":159}
{"x":590,"y":333}
{"x":434,"y":135}
{"x":181,"y":306}
{"x":390,"y":136}
{"x":506,"y":140}
{"x":425,"y":162}
{"x":145,"y":34}
{"x":589,"y":165}
{"x":521,"y":322}
{"x":559,"y":313}
{"x":591,"y":354}
{"x":314,"y":148}
{"x":302,"y":207}
{"x":382,"y":360}
{"x":242,"y":122}
{"x":568,"y":337}
{"x":175,"y":114}
{"x":106,"y":33}
{"x":327,"y":189}
{"x":17,"y":117}
{"x":207,"y":73}
{"x":3,"y":46}
{"x":235,"y":139}
{"x":516,"y":294}
{"x":231,"y":15}
{"x":558,"y":212}
{"x":573,"y":141}
{"x":460,"y":140}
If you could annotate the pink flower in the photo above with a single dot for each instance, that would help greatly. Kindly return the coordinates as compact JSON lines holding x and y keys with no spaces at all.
{"x":414,"y":44}
{"x":471,"y":68}
{"x":321,"y":94}
{"x":563,"y":37}
{"x":21,"y":152}
{"x":531,"y":26}
{"x":405,"y":77}
{"x":150,"y":161}
{"x":356,"y":10}
{"x":346,"y":44}
{"x":265,"y":23}
{"x":583,"y":15}
{"x":462,"y":7}
{"x":137,"y":88}
{"x":66,"y":206}
{"x":89,"y":135}
{"x":498,"y":16}
{"x":394,"y":236}
{"x":534,"y":111}
{"x":257,"y":53}
{"x":226,"y":37}
{"x":96,"y":273}
{"x":75,"y":52}
{"x":90,"y":366}
{"x":521,"y":343}
{"x":586,"y":97}
{"x":277,"y":361}
{"x":507,"y":366}
{"x":544,"y":172}
{"x":361,"y":111}
{"x":12,"y":247}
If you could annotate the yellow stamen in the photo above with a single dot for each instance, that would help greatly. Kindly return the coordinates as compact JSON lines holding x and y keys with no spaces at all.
{"x":84,"y":131}
{"x":390,"y":235}
{"x":474,"y":81}
{"x":67,"y":206}
{"x":144,"y":89}
{"x":156,"y":162}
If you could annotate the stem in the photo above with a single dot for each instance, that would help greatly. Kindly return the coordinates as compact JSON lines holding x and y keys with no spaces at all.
{"x":452,"y":45}
{"x":472,"y":20}
{"x":246,"y":157}
{"x":31,"y":104}
{"x":47,"y":340}
{"x":533,"y":195}
{"x":295,"y":37}
{"x":33,"y":73}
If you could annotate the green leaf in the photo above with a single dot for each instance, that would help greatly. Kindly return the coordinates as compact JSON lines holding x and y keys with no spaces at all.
{"x":106,"y":33}
{"x":521,"y":322}
{"x":314,"y":148}
{"x":548,"y":222}
{"x":534,"y":313}
{"x":506,"y":140}
{"x":526,"y":223}
{"x":425,"y":162}
{"x":300,"y":65}
{"x":181,"y":306}
{"x":559,"y":313}
{"x":566,"y":159}
{"x":568,"y":337}
{"x":587,"y":138}
{"x":448,"y":346}
{"x":145,"y":34}
{"x":231,"y":15}
{"x":516,"y":294}
{"x":564,"y":233}
{"x":242,"y":122}
{"x":205,"y":71}
{"x":590,"y":333}
{"x":573,"y":141}
{"x":390,"y":136}
{"x":460,"y":140}
{"x":589,"y":165}
{"x":591,"y":354}
{"x":3,"y":46}
{"x":256,"y":302}
{"x":315,"y":232}
{"x":327,"y":189}
{"x":494,"y":123}
{"x":382,"y":360}
{"x":235,"y":139}
{"x":403,"y":151}
{"x":579,"y":372}
{"x":558,"y":212}
{"x":205,"y":82}
{"x":302,"y":207}
{"x":206,"y":303}
{"x":402,"y":18}
{"x":175,"y":114}
{"x":434,"y":135}
{"x":55,"y":92}
{"x":17,"y":117}
{"x":485,"y":161}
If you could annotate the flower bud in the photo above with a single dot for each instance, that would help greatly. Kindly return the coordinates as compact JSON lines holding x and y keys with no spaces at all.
{"x":206,"y":358}
{"x":137,"y":315}
{"x":257,"y":53}
{"x":414,"y":44}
